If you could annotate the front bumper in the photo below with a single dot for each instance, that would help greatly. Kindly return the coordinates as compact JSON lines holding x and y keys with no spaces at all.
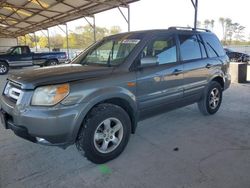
{"x":18,"y":130}
{"x":55,"y":126}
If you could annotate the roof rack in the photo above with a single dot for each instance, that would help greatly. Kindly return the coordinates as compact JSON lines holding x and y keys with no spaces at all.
{"x":189,"y":28}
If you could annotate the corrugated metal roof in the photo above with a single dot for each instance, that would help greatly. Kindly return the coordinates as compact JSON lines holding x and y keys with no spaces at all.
{"x":20,"y":17}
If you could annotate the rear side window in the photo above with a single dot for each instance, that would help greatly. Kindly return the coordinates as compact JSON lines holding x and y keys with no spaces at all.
{"x":189,"y":47}
{"x":213,"y":45}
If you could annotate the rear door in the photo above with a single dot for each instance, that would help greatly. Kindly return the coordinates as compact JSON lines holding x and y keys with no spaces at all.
{"x":20,"y":56}
{"x":160,"y":84}
{"x":195,"y":64}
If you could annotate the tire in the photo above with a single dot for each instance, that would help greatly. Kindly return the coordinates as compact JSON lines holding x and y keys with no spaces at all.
{"x":99,"y":143}
{"x":52,"y":62}
{"x":211,"y":100}
{"x":4,"y":68}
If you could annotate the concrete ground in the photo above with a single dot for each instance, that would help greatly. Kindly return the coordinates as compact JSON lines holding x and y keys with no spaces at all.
{"x":179,"y":149}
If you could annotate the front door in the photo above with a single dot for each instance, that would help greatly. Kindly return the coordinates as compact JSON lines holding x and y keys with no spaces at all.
{"x":160,"y":84}
{"x":20,"y":57}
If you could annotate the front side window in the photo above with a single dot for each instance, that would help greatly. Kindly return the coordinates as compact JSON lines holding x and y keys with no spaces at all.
{"x":17,"y":51}
{"x":189,"y":47}
{"x":110,"y":52}
{"x":163,"y":48}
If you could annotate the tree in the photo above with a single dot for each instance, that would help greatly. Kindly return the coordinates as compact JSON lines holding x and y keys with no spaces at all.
{"x":222,"y":22}
{"x":212,"y":24}
{"x":80,"y":38}
{"x":57,"y":41}
{"x":239,"y":36}
{"x":115,"y":30}
{"x":231,"y":30}
{"x":207,"y":23}
{"x":43,"y":42}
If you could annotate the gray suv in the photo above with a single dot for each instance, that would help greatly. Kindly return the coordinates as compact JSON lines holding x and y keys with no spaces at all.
{"x":96,"y":101}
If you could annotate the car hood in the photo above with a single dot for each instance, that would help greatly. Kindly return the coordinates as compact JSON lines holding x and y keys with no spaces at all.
{"x":29,"y":79}
{"x":3,"y":54}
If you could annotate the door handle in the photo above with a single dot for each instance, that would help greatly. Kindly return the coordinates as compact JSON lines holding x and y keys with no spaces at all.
{"x":208,"y":66}
{"x":177,"y":72}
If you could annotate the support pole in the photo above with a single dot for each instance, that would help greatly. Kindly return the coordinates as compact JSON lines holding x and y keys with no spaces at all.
{"x":35,"y":40}
{"x":25,"y":40}
{"x":196,"y":14}
{"x":94,"y":28}
{"x":92,"y":25}
{"x":17,"y":42}
{"x":67,"y":37}
{"x":48,"y":39}
{"x":195,"y":4}
{"x":128,"y":18}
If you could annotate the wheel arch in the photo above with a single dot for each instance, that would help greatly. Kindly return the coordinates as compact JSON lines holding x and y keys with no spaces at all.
{"x":125,"y":105}
{"x":123,"y":100}
{"x":220,"y":80}
{"x":4,"y":61}
{"x":51,"y":59}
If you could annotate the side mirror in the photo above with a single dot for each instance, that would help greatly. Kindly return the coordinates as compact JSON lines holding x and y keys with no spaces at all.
{"x":148,"y":62}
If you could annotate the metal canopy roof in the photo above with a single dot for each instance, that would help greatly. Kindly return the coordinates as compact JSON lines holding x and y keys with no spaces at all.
{"x":20,"y":17}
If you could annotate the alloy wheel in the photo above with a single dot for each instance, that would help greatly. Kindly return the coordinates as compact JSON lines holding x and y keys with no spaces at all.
{"x":108,"y":135}
{"x":214,"y":98}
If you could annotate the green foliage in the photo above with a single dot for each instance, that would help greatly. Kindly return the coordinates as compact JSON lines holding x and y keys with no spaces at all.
{"x":80,"y":38}
{"x":232,"y":31}
{"x":43,"y":42}
{"x":28,"y":40}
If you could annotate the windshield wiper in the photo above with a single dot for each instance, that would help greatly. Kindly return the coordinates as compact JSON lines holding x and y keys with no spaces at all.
{"x":111,"y":53}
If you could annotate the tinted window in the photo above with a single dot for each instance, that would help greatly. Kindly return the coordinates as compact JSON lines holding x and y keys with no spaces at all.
{"x":189,"y":47}
{"x":25,"y":50}
{"x":163,"y":48}
{"x":202,"y":47}
{"x":17,"y":51}
{"x":213,"y":45}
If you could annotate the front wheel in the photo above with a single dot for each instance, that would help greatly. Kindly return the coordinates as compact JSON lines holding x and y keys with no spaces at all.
{"x":105,"y":133}
{"x":211,"y":100}
{"x":4,"y":68}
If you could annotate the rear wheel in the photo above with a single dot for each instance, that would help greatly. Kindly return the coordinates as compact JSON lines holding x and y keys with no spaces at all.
{"x":211,"y":100}
{"x":105,"y":133}
{"x":52,"y":62}
{"x":4,"y":68}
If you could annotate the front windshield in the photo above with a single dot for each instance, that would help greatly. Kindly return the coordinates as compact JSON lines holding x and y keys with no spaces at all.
{"x":10,"y":50}
{"x":110,"y":52}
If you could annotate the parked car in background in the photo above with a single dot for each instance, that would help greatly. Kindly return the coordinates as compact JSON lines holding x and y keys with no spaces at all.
{"x":21,"y":56}
{"x":237,"y":56}
{"x":98,"y":99}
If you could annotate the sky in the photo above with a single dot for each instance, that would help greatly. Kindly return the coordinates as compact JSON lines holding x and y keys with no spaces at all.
{"x":161,"y":14}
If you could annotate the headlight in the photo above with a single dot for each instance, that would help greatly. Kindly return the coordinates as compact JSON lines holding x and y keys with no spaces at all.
{"x":50,"y":95}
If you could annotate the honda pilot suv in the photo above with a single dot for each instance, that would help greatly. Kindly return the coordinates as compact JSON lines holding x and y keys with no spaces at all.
{"x":96,"y":101}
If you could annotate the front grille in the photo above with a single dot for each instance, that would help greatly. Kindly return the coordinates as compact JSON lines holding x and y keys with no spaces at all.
{"x":13,"y":91}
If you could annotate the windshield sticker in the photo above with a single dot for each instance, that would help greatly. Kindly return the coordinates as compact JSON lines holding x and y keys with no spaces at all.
{"x":131,"y":41}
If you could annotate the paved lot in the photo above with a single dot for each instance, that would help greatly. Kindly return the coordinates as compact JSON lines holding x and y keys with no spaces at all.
{"x":214,"y":152}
